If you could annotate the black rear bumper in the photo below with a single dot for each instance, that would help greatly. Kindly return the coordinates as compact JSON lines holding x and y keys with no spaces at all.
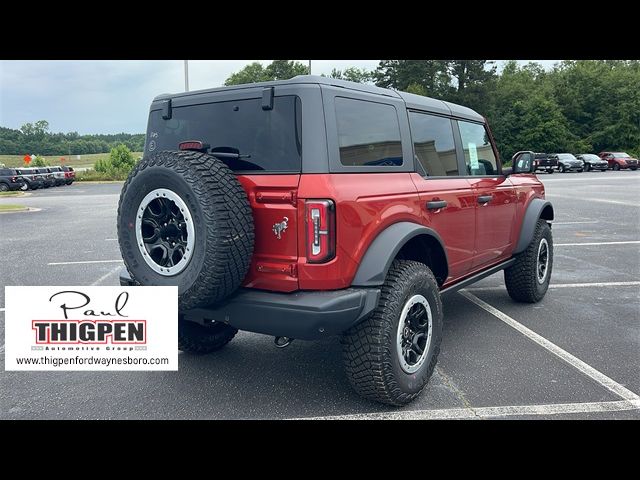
{"x":302,"y":315}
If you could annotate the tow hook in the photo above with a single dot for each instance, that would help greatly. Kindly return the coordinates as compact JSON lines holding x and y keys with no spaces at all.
{"x":282,"y":342}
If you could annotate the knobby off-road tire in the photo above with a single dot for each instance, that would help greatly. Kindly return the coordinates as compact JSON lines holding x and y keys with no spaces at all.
{"x":221,"y":219}
{"x":200,"y":339}
{"x":523,"y":278}
{"x":370,"y":349}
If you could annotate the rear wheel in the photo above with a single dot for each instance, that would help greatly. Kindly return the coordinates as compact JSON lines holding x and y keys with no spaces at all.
{"x":550,"y":171}
{"x":527,"y":280}
{"x":390,"y":356}
{"x":587,"y":167}
{"x":4,"y":187}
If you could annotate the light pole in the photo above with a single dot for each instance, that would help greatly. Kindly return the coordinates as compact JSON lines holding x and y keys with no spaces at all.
{"x":309,"y":67}
{"x":186,"y":75}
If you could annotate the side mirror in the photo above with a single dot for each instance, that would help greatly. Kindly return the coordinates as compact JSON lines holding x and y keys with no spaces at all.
{"x":522,"y":163}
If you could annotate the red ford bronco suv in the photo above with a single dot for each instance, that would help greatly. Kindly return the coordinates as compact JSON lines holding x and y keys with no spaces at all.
{"x":314,"y":207}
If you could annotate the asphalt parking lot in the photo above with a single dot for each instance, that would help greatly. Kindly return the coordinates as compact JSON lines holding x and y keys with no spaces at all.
{"x":575,"y":355}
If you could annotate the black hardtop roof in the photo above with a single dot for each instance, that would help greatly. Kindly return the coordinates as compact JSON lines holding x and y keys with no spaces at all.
{"x":412,"y":101}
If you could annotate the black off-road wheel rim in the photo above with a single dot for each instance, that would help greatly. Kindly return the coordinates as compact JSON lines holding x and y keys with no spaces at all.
{"x":542,"y":262}
{"x":164,"y":232}
{"x":413,"y":338}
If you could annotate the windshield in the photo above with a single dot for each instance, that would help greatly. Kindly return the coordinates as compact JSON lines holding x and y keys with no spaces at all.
{"x":566,"y":156}
{"x":621,"y":155}
{"x":590,"y":156}
{"x":268,"y":140}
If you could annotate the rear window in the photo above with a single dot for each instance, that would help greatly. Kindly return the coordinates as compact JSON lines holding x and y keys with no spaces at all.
{"x":368,"y":133}
{"x":267,"y":140}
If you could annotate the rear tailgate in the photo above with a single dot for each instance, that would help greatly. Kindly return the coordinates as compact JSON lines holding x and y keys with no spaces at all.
{"x":273,"y":201}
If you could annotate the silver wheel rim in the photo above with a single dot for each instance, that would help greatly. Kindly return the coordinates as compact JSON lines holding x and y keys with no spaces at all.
{"x":165,"y":234}
{"x":542,"y":264}
{"x":413,"y":338}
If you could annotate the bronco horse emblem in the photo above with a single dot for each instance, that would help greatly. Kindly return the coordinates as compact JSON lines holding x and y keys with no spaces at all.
{"x":280,"y":227}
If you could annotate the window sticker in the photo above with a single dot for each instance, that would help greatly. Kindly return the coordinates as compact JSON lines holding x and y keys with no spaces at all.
{"x":473,"y":155}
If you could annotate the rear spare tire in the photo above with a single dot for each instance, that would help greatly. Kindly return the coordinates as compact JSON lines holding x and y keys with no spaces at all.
{"x":185,"y":220}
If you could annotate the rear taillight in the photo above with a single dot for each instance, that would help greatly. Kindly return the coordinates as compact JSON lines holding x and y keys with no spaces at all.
{"x":14,"y":179}
{"x":320,"y":218}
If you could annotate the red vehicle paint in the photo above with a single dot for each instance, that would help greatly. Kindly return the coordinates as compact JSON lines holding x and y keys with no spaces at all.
{"x":475,"y":236}
{"x":619,"y":160}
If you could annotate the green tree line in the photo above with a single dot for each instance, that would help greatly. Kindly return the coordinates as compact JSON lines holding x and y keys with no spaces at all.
{"x":36,"y":138}
{"x":578,"y":106}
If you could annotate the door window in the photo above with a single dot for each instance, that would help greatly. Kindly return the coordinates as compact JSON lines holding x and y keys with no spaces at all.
{"x":479,"y":156}
{"x":433,"y":145}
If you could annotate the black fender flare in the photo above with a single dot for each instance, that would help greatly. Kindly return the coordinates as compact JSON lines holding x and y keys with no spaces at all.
{"x":385,"y":247}
{"x":537,"y":208}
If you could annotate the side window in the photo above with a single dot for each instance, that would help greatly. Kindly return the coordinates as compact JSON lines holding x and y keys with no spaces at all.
{"x":478,"y":152}
{"x":433,"y":144}
{"x":368,"y":133}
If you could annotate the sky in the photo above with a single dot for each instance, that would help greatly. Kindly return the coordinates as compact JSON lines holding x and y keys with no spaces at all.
{"x":113,"y":96}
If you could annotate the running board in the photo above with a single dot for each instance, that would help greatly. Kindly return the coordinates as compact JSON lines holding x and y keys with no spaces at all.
{"x":478,"y":276}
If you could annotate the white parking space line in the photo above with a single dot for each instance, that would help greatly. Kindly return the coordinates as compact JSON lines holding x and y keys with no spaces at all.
{"x":564,"y":285}
{"x":629,"y":242}
{"x":105,"y":276}
{"x":85,"y":262}
{"x":1,"y":309}
{"x":575,"y":223}
{"x":591,"y":199}
{"x":110,"y":239}
{"x":490,"y":412}
{"x":575,"y":362}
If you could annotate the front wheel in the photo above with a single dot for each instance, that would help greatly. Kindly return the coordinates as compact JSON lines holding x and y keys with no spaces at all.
{"x":634,"y":169}
{"x":4,"y":187}
{"x":580,"y":171}
{"x":527,"y":280}
{"x":550,"y":171}
{"x":587,"y":167}
{"x":616,"y":167}
{"x":390,"y":356}
{"x":562,"y":169}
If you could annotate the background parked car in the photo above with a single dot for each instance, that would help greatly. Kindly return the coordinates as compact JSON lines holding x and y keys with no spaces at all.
{"x":619,"y":160}
{"x":69,"y":174}
{"x":47,"y":176}
{"x":543,"y":161}
{"x":10,"y":180}
{"x":593,"y":162}
{"x":33,"y":180}
{"x":567,"y":162}
{"x":58,"y":175}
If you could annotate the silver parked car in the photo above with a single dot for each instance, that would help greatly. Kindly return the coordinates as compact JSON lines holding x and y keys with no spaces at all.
{"x":567,"y":162}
